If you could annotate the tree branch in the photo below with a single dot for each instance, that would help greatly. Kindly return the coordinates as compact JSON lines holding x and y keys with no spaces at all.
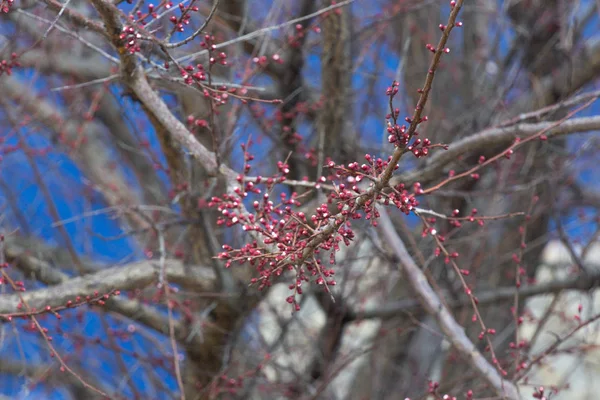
{"x":132,"y":276}
{"x":489,"y":138}
{"x":582,"y":282}
{"x":432,"y":304}
{"x":139,"y":273}
{"x":93,"y":157}
{"x":46,"y":374}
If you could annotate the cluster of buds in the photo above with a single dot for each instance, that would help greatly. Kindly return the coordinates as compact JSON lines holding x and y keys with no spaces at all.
{"x":263,"y":61}
{"x":489,"y":331}
{"x":286,"y":239}
{"x":397,"y":134}
{"x":355,"y":173}
{"x":209,"y":44}
{"x":401,"y":135}
{"x":432,"y":49}
{"x":391,"y":91}
{"x":180,"y":188}
{"x":540,"y":393}
{"x":6,"y":66}
{"x":5,"y":5}
{"x":191,"y":74}
{"x":184,"y":20}
{"x":346,"y":195}
{"x":130,"y":38}
{"x":196,"y":122}
{"x":295,"y":40}
{"x":421,"y":151}
{"x":282,"y":234}
{"x":401,"y":198}
{"x":141,"y":17}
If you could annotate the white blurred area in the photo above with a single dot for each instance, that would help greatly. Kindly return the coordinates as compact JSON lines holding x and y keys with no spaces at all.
{"x":577,"y":361}
{"x":294,"y":355}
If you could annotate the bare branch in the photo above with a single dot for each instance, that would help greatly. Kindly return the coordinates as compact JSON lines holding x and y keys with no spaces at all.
{"x":77,"y":18}
{"x":198,"y":31}
{"x":432,"y":304}
{"x":489,"y":138}
{"x":93,"y":157}
{"x":194,"y":279}
{"x":44,"y":372}
{"x":133,"y":276}
{"x":263,"y":31}
{"x":582,"y":282}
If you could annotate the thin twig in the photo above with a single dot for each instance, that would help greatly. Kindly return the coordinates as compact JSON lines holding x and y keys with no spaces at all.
{"x":41,"y":330}
{"x":199,"y":31}
{"x":72,"y":34}
{"x":554,"y":346}
{"x":554,"y":107}
{"x":418,"y":211}
{"x":107,"y":79}
{"x":510,"y":148}
{"x":432,"y":304}
{"x":263,"y":31}
{"x":162,"y":282}
{"x":60,"y":13}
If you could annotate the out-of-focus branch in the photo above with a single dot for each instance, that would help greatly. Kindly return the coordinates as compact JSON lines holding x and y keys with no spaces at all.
{"x":584,"y":196}
{"x":582,"y":282}
{"x":78,"y":19}
{"x":336,"y":78}
{"x":570,"y":77}
{"x":133,"y":276}
{"x":65,"y":64}
{"x":36,"y":260}
{"x":291,"y":85}
{"x":238,"y":22}
{"x":127,"y":146}
{"x":263,"y":31}
{"x":46,"y":374}
{"x":22,"y":253}
{"x":198,"y":279}
{"x":430,"y":301}
{"x":92,"y":157}
{"x":490,"y":138}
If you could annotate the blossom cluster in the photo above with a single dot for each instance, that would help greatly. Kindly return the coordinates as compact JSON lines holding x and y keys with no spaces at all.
{"x":285,"y":238}
{"x":6,"y":66}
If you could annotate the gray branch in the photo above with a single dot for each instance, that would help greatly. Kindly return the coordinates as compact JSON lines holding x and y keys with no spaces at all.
{"x":430,"y":301}
{"x":490,"y":138}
